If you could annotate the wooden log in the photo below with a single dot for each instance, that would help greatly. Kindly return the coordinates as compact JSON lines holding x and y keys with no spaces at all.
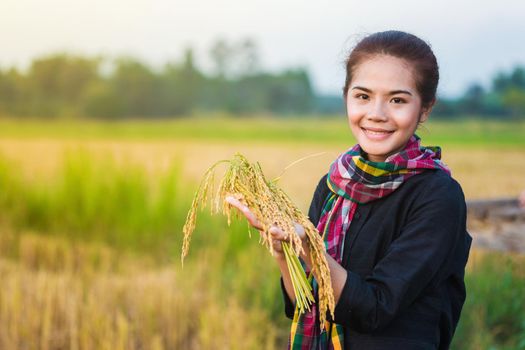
{"x":506,"y":209}
{"x":497,"y":224}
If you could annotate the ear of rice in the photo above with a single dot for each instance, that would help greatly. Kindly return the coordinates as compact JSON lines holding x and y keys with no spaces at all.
{"x":271,"y":205}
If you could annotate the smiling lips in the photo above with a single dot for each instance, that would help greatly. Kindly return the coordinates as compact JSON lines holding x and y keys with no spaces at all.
{"x":377,"y":134}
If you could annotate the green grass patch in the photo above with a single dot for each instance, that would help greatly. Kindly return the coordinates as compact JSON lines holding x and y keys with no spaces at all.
{"x":96,"y":201}
{"x":493,"y":316}
{"x":467,"y":131}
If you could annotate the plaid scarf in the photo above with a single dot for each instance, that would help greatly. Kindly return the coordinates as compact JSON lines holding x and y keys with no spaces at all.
{"x":354,"y":180}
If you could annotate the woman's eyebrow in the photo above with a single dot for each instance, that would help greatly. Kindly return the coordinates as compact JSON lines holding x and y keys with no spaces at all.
{"x":390,"y":93}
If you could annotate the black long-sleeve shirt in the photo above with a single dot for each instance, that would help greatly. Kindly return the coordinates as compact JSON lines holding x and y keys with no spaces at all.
{"x":405,"y":255}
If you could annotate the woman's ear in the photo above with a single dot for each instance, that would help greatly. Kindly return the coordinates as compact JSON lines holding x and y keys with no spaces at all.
{"x":425,"y":112}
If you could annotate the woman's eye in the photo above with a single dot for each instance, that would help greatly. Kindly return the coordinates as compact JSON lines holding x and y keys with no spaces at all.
{"x":362,"y":97}
{"x":397,"y":100}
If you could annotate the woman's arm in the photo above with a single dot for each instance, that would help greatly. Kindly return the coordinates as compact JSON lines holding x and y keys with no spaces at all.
{"x":411,"y":262}
{"x":423,"y":254}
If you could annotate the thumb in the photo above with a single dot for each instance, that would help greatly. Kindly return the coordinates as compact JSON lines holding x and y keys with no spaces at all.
{"x":300,"y":230}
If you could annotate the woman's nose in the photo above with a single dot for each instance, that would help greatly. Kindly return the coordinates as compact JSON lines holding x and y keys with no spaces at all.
{"x":377,"y":112}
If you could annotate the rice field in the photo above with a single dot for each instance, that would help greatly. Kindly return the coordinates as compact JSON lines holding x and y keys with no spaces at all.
{"x":466,"y":131}
{"x":91,"y":217}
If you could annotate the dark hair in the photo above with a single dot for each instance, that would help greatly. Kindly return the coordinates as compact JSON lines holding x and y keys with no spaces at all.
{"x":404,"y":46}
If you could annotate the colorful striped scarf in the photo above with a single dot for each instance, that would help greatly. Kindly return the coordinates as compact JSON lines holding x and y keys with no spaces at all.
{"x":355,"y":180}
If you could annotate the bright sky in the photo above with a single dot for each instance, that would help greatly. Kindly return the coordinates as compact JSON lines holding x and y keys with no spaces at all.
{"x":471,"y":39}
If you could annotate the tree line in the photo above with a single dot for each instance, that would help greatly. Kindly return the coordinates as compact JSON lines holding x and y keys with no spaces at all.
{"x":72,"y":85}
{"x":504,"y":98}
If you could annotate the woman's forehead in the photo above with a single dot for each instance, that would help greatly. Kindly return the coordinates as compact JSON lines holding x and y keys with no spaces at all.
{"x":384,"y":73}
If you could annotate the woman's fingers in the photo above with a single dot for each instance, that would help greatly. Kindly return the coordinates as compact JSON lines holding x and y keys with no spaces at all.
{"x":300,"y":230}
{"x":278,"y":235}
{"x":245,"y":211}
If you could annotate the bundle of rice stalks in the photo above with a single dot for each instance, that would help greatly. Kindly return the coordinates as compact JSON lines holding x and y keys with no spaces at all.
{"x":271,"y":206}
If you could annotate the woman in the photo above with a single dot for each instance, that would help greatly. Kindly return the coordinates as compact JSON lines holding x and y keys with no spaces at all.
{"x":393,"y":218}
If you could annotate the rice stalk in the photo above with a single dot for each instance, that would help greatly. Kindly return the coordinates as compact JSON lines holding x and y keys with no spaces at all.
{"x":271,"y":206}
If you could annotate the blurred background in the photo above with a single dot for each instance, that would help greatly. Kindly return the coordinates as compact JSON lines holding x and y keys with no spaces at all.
{"x":110,"y":113}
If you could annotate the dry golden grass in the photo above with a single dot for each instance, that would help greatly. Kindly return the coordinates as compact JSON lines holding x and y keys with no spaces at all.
{"x":488,"y":173}
{"x":59,"y":295}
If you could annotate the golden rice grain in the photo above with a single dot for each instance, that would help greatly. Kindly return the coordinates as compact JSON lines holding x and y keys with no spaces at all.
{"x":271,"y":206}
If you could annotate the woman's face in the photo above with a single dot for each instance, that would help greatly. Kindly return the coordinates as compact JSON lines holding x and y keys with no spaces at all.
{"x":383,"y":106}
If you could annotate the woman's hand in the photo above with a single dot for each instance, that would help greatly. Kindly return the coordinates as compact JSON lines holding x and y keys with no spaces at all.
{"x":337,"y":272}
{"x":278,"y":236}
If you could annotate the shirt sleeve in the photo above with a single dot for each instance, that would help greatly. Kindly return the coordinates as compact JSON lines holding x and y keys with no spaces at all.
{"x":313,"y":214}
{"x":414,"y":260}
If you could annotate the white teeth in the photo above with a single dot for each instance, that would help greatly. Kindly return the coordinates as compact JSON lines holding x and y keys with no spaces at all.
{"x":376,"y":132}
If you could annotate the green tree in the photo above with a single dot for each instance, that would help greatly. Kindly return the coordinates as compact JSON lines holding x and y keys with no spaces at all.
{"x":135,"y":87}
{"x":101,"y":100}
{"x":472,"y":101}
{"x":292,"y":92}
{"x":181,"y":86}
{"x":12,"y":92}
{"x":515,"y":79}
{"x":247,"y":57}
{"x":514,"y":99}
{"x":221,"y":54}
{"x":57,"y":83}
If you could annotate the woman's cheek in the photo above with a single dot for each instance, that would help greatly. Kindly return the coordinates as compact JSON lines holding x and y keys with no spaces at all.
{"x":355,"y":112}
{"x":354,"y":123}
{"x":406,"y":118}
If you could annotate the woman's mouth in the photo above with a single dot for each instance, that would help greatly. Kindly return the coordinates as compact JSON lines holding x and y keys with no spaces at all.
{"x":377,"y":134}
